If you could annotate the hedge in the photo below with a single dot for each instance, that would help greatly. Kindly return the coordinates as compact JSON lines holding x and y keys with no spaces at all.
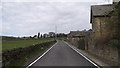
{"x":18,"y":53}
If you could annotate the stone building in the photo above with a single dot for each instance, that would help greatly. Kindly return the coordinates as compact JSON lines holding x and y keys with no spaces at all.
{"x":100,"y":16}
{"x":46,"y":35}
{"x":78,"y":39}
{"x":51,"y":34}
{"x":116,"y":0}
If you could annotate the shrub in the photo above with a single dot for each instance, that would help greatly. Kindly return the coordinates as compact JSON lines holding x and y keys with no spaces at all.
{"x":114,"y":42}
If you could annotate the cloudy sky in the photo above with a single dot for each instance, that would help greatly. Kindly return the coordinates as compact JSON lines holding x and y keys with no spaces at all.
{"x":29,"y":18}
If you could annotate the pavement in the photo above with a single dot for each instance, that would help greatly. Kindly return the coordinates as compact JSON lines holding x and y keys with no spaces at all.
{"x":61,"y":54}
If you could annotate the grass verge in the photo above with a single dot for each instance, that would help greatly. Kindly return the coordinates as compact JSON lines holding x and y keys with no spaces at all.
{"x":21,"y":62}
{"x":8,"y":45}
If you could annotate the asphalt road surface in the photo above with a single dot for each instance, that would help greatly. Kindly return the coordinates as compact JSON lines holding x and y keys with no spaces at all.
{"x":62,"y":55}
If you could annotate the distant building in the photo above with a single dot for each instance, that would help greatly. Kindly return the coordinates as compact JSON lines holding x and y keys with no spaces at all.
{"x":51,"y":34}
{"x":75,"y":34}
{"x":61,"y":35}
{"x":45,"y":35}
{"x":79,"y":38}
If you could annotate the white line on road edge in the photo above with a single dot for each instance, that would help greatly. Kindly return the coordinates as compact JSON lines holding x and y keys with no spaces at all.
{"x":41,"y":56}
{"x":83,"y":56}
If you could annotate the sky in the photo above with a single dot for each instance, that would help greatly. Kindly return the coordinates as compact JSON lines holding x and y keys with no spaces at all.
{"x":28,"y":18}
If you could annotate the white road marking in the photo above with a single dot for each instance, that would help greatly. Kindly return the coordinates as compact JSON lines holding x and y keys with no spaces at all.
{"x":41,"y":56}
{"x":83,"y":56}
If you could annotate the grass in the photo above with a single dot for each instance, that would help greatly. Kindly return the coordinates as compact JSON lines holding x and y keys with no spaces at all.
{"x":0,"y":45}
{"x":8,"y":45}
{"x":21,"y":62}
{"x":62,"y":38}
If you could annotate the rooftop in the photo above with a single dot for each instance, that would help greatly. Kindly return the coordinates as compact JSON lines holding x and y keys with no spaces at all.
{"x":78,"y":33}
{"x":101,"y":10}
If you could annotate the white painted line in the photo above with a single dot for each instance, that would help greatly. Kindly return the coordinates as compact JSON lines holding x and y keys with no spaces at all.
{"x":41,"y":56}
{"x":83,"y":56}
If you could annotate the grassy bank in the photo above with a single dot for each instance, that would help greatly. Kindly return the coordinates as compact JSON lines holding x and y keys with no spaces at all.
{"x":0,"y":45}
{"x":21,"y":62}
{"x":7,"y":45}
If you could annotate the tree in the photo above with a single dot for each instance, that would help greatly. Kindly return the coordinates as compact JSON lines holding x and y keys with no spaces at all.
{"x":41,"y":36}
{"x":38,"y":35}
{"x":34,"y":36}
{"x":90,"y":30}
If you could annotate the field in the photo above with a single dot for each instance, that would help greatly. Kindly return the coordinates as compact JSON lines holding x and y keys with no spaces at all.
{"x":7,"y":45}
{"x":19,"y":62}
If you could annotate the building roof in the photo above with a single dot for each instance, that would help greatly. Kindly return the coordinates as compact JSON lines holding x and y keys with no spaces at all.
{"x":76,"y":33}
{"x":116,"y":0}
{"x":101,"y":10}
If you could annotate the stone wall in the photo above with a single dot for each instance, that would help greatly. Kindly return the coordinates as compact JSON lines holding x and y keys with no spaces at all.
{"x":97,"y":44}
{"x":99,"y":27}
{"x":78,"y":42}
{"x":119,"y":58}
{"x":104,"y":51}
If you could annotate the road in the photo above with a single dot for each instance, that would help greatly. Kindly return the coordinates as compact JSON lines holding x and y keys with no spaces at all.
{"x":62,"y":55}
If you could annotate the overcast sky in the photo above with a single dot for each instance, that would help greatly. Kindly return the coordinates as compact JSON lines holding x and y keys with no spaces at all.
{"x":29,"y":18}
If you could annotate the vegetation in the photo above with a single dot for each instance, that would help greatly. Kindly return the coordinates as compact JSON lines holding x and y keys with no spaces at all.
{"x":8,"y":38}
{"x":38,"y":35}
{"x":0,"y":45}
{"x":114,"y":26}
{"x":18,"y":63}
{"x":7,"y":45}
{"x":16,"y":49}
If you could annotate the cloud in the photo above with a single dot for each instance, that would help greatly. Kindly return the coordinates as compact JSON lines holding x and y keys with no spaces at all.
{"x":0,"y":19}
{"x":29,"y":18}
{"x":55,"y":0}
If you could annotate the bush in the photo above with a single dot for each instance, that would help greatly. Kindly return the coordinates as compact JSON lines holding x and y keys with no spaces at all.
{"x":114,"y":43}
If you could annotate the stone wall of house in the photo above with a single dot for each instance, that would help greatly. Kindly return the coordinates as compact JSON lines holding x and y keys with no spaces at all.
{"x":96,"y":27}
{"x":75,"y":41}
{"x":119,"y":58}
{"x":109,"y":53}
{"x":96,"y":41}
{"x":78,"y":42}
{"x":99,"y":27}
{"x":81,"y":43}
